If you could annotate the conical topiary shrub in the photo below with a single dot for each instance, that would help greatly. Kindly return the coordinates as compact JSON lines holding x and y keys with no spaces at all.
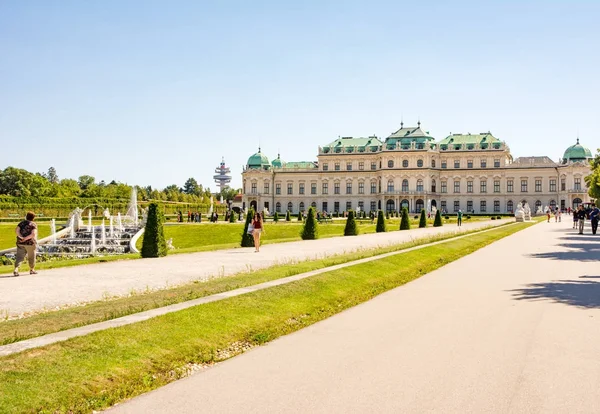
{"x":387,"y":215}
{"x":232,"y":217}
{"x":309,"y":229}
{"x":351,"y":228}
{"x":276,"y":217}
{"x":423,"y":219}
{"x":299,"y":216}
{"x":438,"y":219}
{"x":405,"y":222}
{"x":287,"y":216}
{"x":380,"y":223}
{"x":154,"y":244}
{"x":248,"y":239}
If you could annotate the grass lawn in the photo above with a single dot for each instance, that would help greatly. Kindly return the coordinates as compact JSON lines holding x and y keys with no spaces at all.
{"x":45,"y":323}
{"x":98,"y":370}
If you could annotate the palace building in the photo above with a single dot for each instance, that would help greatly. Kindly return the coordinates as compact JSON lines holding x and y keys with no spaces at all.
{"x":472,"y":172}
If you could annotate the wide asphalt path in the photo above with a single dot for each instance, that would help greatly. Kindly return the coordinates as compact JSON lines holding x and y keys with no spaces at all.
{"x":511,"y":328}
{"x":80,"y":284}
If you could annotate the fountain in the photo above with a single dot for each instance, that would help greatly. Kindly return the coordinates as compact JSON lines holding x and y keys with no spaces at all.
{"x":102,"y":234}
{"x":93,"y":244}
{"x":53,"y":230}
{"x":72,"y":227}
{"x":119,"y":222}
{"x":90,"y":220}
{"x":111,"y":227}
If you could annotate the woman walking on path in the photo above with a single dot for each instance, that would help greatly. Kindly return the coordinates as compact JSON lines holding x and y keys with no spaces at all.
{"x":26,"y":232}
{"x":257,"y":223}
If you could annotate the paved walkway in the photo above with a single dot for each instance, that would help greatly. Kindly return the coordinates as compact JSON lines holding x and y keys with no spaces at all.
{"x":513,"y":327}
{"x":74,"y":285}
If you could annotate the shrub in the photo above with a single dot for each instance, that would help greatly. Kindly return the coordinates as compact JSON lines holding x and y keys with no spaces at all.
{"x":299,"y":216}
{"x":498,"y":217}
{"x":423,"y":220}
{"x":310,"y":230}
{"x":351,"y":229}
{"x":387,"y":215}
{"x":493,"y":218}
{"x":287,"y":216}
{"x":405,"y":222}
{"x":438,"y":219}
{"x":415,"y":217}
{"x":468,"y":217}
{"x":396,"y":213}
{"x":447,"y":217}
{"x":247,"y":239}
{"x":380,"y":223}
{"x":154,"y":244}
{"x":276,"y":217}
{"x":336,"y":214}
{"x":232,"y":217}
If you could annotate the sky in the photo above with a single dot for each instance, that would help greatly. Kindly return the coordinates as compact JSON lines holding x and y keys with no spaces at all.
{"x":154,"y":92}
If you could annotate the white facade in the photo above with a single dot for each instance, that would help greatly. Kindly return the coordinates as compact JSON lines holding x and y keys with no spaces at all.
{"x":474,"y":173}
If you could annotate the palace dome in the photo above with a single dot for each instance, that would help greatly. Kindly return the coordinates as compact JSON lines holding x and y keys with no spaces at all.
{"x":277,"y":163}
{"x":577,"y":152}
{"x":258,"y":160}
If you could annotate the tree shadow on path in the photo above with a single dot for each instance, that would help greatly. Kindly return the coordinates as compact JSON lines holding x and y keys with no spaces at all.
{"x":581,"y":248}
{"x":583,"y":294}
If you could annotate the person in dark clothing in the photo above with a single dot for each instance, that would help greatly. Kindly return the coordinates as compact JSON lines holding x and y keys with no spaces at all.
{"x":580,"y":214}
{"x":594,"y":217}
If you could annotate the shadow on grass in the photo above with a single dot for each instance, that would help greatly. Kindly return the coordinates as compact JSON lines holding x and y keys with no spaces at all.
{"x":583,"y":294}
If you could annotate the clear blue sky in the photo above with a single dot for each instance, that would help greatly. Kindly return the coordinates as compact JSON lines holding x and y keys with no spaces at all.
{"x":154,"y":92}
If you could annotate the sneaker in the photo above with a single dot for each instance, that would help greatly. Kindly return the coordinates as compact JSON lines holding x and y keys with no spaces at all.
{"x":15,"y":273}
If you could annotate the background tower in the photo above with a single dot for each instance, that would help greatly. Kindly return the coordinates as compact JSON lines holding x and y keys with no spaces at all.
{"x":222,"y":178}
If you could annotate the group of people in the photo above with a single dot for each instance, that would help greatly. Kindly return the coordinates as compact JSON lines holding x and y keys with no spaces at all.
{"x":581,"y":214}
{"x":556,"y":213}
{"x":196,"y":217}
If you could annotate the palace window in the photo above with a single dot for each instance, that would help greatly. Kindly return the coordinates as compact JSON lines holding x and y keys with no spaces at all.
{"x":301,"y":206}
{"x":348,"y":166}
{"x":419,"y":185}
{"x":433,"y":186}
{"x":483,"y":206}
{"x":361,"y":205}
{"x":577,"y":184}
{"x":278,"y":207}
{"x":496,"y":163}
{"x":336,"y":206}
{"x":373,"y":205}
{"x":444,"y":164}
{"x":313,"y":204}
{"x":266,"y":188}
{"x":443,"y":206}
{"x":510,"y":186}
{"x":361,"y":165}
{"x":277,"y":189}
{"x":313,"y":188}
{"x":469,"y":163}
{"x":563,"y":184}
{"x":523,"y":186}
{"x":469,"y":186}
{"x":373,"y":166}
{"x":538,"y":186}
{"x":390,"y":186}
{"x":509,"y":206}
{"x":496,"y":186}
{"x":325,"y":167}
{"x":483,"y":163}
{"x":337,"y":166}
{"x":483,"y":186}
{"x":290,"y":206}
{"x":324,"y":206}
{"x":457,"y":186}
{"x":361,"y":187}
{"x":469,"y":206}
{"x":496,"y":206}
{"x":336,"y":188}
{"x":456,"y":163}
{"x":405,"y":163}
{"x":349,"y":187}
{"x":373,"y":187}
{"x":325,"y":189}
{"x":552,"y":186}
{"x":300,"y":189}
{"x":254,"y":190}
{"x":290,"y":188}
{"x":348,"y":205}
{"x":391,"y":164}
{"x":456,"y":206}
{"x":420,"y":163}
{"x":405,"y":186}
{"x":444,"y":187}
{"x":432,"y":163}
{"x":538,"y":205}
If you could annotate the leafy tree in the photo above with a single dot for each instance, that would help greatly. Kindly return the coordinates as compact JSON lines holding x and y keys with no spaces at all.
{"x":351,"y":228}
{"x":154,"y":244}
{"x":228,"y":193}
{"x":310,"y":230}
{"x":438,"y":219}
{"x":248,"y":239}
{"x":52,"y":176}
{"x":405,"y":222}
{"x":380,"y":222}
{"x":22,"y":183}
{"x":191,"y":187}
{"x":423,"y":220}
{"x":85,"y":181}
{"x":287,"y":216}
{"x":593,"y":180}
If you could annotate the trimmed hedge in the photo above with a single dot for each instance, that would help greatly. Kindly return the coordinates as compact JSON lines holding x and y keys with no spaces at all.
{"x":423,"y":220}
{"x":248,"y":239}
{"x":405,"y":222}
{"x":351,"y":228}
{"x":380,"y":223}
{"x":438,"y":219}
{"x":310,"y":230}
{"x":154,"y":244}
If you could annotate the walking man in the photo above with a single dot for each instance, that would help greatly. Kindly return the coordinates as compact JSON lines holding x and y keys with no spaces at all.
{"x":580,"y":214}
{"x":594,"y":217}
{"x":459,"y":218}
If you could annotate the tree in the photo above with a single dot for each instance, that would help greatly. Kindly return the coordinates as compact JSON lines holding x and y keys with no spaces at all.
{"x":276,"y":217}
{"x":405,"y":222}
{"x":593,"y":180}
{"x":351,"y":228}
{"x":310,"y":230}
{"x":380,"y":223}
{"x":85,"y":181}
{"x":438,"y":219}
{"x":387,"y":215}
{"x":154,"y":244}
{"x":299,"y":215}
{"x":287,"y":216}
{"x":52,"y":176}
{"x":232,"y":216}
{"x":247,"y":239}
{"x":191,"y":187}
{"x":423,"y":220}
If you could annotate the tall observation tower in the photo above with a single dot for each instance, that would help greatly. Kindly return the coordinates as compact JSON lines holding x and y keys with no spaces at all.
{"x":222,"y":178}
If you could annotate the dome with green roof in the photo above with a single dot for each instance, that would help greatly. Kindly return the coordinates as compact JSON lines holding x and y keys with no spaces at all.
{"x":576,"y":153}
{"x":277,"y":163}
{"x":258,"y":160}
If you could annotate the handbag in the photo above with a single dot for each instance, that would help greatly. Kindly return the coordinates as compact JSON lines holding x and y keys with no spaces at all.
{"x":250,"y":228}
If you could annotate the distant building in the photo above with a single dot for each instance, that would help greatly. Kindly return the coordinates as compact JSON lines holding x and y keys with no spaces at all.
{"x":472,"y":172}
{"x":222,"y":178}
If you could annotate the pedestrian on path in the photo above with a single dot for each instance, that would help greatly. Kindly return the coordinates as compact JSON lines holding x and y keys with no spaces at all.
{"x":548,"y":215}
{"x":459,"y":218}
{"x":257,"y":223}
{"x":580,"y":214}
{"x":26,"y":232}
{"x":575,"y":219}
{"x":594,"y":217}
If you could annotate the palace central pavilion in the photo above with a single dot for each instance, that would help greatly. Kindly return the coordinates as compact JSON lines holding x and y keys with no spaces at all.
{"x":472,"y":172}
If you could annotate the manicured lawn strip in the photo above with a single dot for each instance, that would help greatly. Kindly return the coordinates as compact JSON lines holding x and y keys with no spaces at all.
{"x":45,"y":323}
{"x":98,"y":370}
{"x":8,"y":237}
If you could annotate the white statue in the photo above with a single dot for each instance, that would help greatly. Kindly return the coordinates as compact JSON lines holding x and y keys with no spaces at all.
{"x":170,"y":244}
{"x":106,"y":213}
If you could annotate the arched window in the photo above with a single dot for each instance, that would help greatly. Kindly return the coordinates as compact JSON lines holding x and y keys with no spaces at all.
{"x":278,"y":207}
{"x":576,"y":203}
{"x":432,"y":163}
{"x":433,"y":188}
{"x":301,"y":207}
{"x":538,"y":205}
{"x":290,"y":206}
{"x":404,"y":204}
{"x":313,"y":204}
{"x":419,"y":205}
{"x":391,"y":164}
{"x":553,"y":204}
{"x":404,"y":185}
{"x":389,"y":206}
{"x":405,"y":163}
{"x":509,"y":206}
{"x":420,"y":163}
{"x":390,"y":186}
{"x":419,"y":185}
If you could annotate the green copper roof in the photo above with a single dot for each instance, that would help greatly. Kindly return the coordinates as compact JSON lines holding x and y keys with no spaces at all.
{"x":258,"y":160}
{"x":300,"y":164}
{"x":277,"y":163}
{"x":577,"y":152}
{"x":404,"y":137}
{"x":468,"y":141}
{"x":351,"y":145}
